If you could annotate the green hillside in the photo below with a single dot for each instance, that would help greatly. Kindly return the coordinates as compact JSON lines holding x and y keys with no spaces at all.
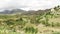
{"x":38,"y":22}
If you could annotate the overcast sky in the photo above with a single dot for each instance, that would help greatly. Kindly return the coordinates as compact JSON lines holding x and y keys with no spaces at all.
{"x":28,"y":4}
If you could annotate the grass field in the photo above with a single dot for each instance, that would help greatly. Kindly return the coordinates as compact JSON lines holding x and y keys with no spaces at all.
{"x":48,"y":23}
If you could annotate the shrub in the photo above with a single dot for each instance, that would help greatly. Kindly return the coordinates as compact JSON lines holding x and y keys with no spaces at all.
{"x":56,"y":32}
{"x":31,"y":30}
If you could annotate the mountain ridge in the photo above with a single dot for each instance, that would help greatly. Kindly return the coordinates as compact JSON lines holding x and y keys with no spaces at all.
{"x":30,"y":12}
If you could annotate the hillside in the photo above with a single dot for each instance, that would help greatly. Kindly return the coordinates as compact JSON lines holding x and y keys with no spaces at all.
{"x":31,"y":22}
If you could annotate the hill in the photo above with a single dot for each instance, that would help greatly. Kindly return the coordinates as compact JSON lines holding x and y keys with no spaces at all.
{"x":31,"y":22}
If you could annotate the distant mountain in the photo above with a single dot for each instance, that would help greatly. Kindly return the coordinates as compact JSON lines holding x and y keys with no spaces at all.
{"x":5,"y":12}
{"x":13,"y":11}
{"x":30,"y":12}
{"x":19,"y":11}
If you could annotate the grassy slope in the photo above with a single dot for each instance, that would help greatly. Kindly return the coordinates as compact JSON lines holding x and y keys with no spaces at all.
{"x":30,"y":24}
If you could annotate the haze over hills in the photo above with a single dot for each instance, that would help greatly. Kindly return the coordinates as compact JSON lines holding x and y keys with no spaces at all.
{"x":11,"y":11}
{"x":20,"y":11}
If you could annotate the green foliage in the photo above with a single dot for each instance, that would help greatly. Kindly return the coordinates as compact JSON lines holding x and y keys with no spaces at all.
{"x":56,"y":32}
{"x":31,"y":30}
{"x":12,"y":23}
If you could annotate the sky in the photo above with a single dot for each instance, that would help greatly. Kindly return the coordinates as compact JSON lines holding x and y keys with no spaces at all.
{"x":28,"y":4}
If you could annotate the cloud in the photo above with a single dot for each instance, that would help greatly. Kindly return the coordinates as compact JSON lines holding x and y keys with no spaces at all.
{"x":28,"y":4}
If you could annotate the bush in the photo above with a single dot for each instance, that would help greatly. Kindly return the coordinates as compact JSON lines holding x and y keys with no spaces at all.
{"x":31,"y":30}
{"x":56,"y":32}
